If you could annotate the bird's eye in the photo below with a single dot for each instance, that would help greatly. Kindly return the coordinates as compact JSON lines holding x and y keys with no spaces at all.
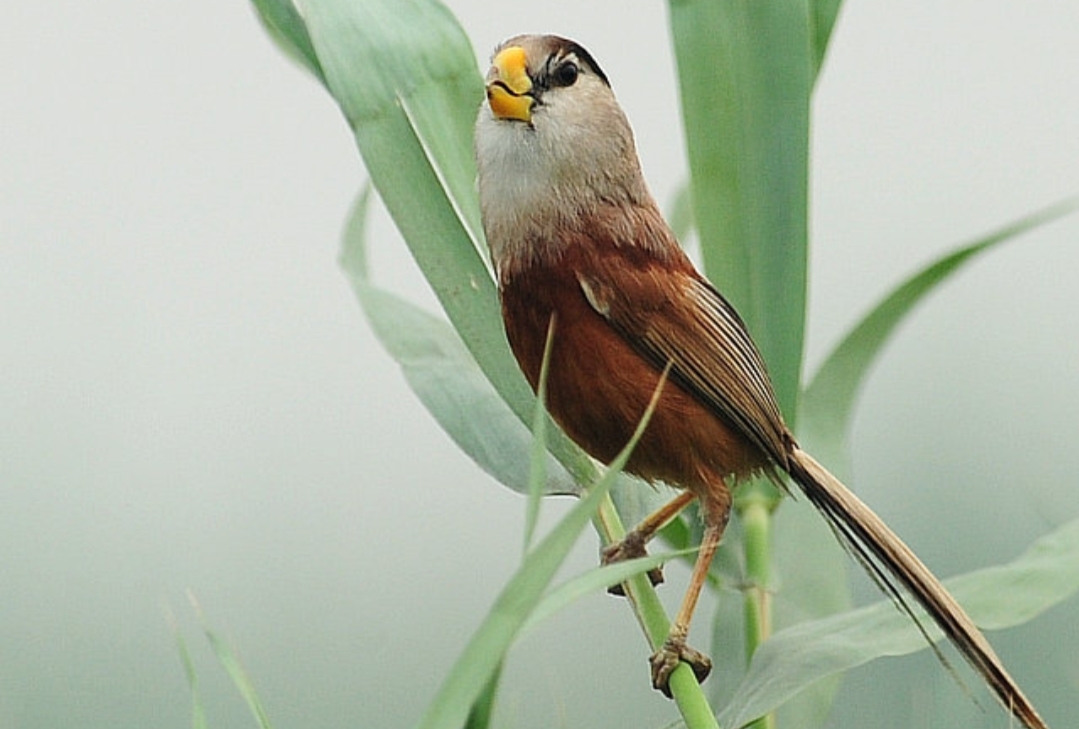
{"x":565,"y":75}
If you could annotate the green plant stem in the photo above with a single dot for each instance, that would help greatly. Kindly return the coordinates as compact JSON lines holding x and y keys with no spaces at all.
{"x":757,"y":522}
{"x":687,"y":693}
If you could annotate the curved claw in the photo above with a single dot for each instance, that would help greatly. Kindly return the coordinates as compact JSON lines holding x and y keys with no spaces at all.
{"x":667,"y":658}
{"x":628,"y":548}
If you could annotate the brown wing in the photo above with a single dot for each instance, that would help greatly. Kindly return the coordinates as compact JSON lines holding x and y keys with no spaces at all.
{"x":680,"y":318}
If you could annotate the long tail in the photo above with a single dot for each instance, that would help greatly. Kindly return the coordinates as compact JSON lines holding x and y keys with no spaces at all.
{"x":880,"y":549}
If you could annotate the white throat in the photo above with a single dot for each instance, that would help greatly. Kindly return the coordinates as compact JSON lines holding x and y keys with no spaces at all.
{"x":537,"y":181}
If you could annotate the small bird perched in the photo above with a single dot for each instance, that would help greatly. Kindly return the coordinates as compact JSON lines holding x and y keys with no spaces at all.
{"x":581,"y":250}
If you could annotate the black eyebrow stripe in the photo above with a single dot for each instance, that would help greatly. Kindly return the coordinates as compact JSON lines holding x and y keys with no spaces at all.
{"x":567,"y":47}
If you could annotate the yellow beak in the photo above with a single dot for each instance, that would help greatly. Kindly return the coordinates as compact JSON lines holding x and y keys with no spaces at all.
{"x":508,"y":85}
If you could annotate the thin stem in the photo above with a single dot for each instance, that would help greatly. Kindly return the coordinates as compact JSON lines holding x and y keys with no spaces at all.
{"x":757,"y":522}
{"x":687,"y":693}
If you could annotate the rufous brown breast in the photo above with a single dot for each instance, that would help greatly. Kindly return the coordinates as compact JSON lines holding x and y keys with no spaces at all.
{"x":599,"y":385}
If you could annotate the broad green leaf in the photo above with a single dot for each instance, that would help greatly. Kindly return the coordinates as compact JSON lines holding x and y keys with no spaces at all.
{"x":745,"y":76}
{"x":444,"y":375}
{"x":822,"y":22}
{"x":828,"y":401}
{"x":283,"y":22}
{"x":405,"y":76}
{"x":488,"y":646}
{"x":393,"y":66}
{"x":995,"y":597}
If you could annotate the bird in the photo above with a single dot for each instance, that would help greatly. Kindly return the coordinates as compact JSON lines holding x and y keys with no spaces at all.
{"x":583,"y":256}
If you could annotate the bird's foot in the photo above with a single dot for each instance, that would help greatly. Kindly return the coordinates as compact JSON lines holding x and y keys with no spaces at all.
{"x":631,"y":547}
{"x":667,"y":658}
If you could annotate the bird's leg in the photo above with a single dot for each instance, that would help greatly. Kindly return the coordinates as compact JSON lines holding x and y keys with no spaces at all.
{"x":716,"y":509}
{"x":633,"y":544}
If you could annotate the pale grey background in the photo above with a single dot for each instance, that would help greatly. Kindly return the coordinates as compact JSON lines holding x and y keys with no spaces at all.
{"x":191,"y":400}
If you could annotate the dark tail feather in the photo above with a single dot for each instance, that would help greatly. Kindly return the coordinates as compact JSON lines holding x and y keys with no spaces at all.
{"x":884,"y":554}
